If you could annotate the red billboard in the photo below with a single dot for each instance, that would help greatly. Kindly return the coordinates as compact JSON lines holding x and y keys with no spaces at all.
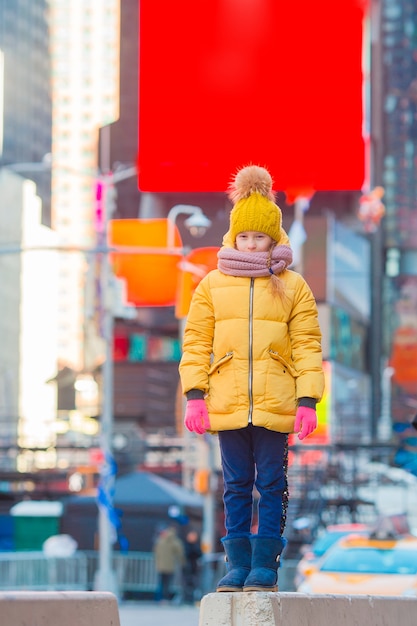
{"x":224,"y":83}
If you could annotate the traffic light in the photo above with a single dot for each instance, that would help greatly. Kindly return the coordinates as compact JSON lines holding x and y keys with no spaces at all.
{"x":202,"y":481}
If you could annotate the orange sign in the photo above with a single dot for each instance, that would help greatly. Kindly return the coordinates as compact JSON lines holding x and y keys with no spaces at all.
{"x":151,"y":276}
{"x":194,"y":267}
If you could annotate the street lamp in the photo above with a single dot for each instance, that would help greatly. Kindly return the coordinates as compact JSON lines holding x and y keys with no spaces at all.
{"x":197,"y":223}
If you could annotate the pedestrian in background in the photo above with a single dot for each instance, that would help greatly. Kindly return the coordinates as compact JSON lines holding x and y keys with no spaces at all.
{"x":251,"y":370}
{"x":191,"y":571}
{"x":169,"y":558}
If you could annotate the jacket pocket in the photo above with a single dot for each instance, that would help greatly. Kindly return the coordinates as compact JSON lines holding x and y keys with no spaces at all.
{"x":277,"y":357}
{"x":220,"y":362}
{"x":281,"y":383}
{"x":222,"y":395}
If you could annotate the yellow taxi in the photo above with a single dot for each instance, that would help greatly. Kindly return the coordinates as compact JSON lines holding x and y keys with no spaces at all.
{"x":327,"y":538}
{"x":372,"y":565}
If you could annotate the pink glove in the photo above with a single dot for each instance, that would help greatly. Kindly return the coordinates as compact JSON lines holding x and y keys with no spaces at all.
{"x":305,"y":421}
{"x":196,"y":417}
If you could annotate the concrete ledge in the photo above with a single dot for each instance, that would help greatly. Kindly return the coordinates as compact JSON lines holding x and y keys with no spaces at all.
{"x":58,"y":608}
{"x":283,"y":609}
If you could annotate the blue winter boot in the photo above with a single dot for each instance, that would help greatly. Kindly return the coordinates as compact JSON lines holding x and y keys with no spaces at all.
{"x":238,"y":558}
{"x":265,"y":562}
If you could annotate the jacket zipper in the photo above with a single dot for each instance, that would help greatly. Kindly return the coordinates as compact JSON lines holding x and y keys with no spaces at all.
{"x":250,"y":372}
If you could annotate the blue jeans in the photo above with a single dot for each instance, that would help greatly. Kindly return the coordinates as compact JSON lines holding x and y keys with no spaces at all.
{"x":254,"y":456}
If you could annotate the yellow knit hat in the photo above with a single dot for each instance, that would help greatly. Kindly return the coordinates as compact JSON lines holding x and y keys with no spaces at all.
{"x":254,"y":207}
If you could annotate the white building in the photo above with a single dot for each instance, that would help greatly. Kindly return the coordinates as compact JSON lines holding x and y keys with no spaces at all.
{"x":85,"y":95}
{"x":28,"y":321}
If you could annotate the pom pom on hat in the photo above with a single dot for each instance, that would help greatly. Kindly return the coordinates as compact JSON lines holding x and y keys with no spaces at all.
{"x":254,"y":207}
{"x":251,"y":179}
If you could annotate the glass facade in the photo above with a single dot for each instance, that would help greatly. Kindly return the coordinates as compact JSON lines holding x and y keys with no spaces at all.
{"x":27,"y":106}
{"x":399,"y":60}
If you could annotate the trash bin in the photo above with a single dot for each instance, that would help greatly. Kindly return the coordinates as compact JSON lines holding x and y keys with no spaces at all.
{"x":6,"y":533}
{"x":34,"y":522}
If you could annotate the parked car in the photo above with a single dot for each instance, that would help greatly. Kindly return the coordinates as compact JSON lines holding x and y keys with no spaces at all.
{"x":324,"y":541}
{"x":366,"y":566}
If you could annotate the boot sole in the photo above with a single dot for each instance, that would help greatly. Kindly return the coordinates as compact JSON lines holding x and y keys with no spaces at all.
{"x":230,"y":588}
{"x":254,"y":588}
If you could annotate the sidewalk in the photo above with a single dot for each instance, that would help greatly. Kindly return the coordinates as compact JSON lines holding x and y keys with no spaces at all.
{"x":153,"y":614}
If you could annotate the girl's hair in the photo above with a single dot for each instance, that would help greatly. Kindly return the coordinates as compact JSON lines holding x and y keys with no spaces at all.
{"x":276,"y":284}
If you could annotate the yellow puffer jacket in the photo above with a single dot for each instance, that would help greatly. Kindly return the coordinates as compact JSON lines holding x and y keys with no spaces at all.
{"x":252,"y":353}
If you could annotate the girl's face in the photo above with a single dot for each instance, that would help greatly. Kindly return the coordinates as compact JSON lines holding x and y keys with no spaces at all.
{"x":252,"y":241}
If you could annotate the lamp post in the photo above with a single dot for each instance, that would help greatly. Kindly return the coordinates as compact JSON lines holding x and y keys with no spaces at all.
{"x":105,"y":577}
{"x":197,"y":224}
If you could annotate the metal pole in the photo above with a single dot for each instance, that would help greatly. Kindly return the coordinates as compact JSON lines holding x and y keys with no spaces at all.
{"x":376,"y":238}
{"x":299,"y":218}
{"x":384,"y":427}
{"x":105,"y":578}
{"x":209,"y":509}
{"x":187,"y":466}
{"x":297,"y":233}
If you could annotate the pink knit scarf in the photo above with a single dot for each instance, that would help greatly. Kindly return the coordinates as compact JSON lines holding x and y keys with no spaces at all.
{"x":253,"y":264}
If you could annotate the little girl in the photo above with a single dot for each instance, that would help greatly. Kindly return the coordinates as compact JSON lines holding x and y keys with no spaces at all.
{"x":251,"y":371}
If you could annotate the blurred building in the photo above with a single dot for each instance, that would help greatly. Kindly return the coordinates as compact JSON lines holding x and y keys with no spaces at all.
{"x":28,"y":326}
{"x":28,"y":281}
{"x":84,"y":49}
{"x":59,"y":84}
{"x":337,"y":266}
{"x":25,"y":90}
{"x":398,"y":245}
